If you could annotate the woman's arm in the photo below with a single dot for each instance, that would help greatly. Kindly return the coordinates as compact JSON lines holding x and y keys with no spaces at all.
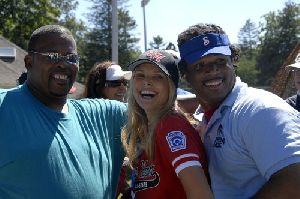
{"x":195,"y":183}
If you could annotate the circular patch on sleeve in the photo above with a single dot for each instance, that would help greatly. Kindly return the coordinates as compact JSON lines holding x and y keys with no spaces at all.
{"x":176,"y":140}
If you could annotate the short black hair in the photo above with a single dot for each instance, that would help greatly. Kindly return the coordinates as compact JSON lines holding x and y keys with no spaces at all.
{"x":46,"y":30}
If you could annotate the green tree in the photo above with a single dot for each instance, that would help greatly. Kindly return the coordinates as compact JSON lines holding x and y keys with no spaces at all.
{"x":247,"y":41}
{"x":19,"y":18}
{"x":157,"y":42}
{"x":98,"y":39}
{"x":248,"y":38}
{"x":280,"y":34}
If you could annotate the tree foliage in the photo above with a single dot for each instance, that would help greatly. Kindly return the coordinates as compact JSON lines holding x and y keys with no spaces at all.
{"x":18,"y":18}
{"x":157,"y":42}
{"x":99,"y":38}
{"x":248,"y":38}
{"x":280,"y":34}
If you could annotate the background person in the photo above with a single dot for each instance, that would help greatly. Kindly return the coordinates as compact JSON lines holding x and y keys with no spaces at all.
{"x":186,"y":101}
{"x":107,"y":80}
{"x":252,"y":137}
{"x":294,"y":100}
{"x":51,"y":146}
{"x":164,"y":149}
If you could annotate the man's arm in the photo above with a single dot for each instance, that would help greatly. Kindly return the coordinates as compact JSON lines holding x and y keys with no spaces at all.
{"x":283,"y":184}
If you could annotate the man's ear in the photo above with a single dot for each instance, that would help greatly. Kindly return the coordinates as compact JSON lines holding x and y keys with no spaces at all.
{"x":28,"y":61}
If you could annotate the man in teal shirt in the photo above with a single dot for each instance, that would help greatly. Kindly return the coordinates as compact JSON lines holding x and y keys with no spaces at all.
{"x":51,"y":146}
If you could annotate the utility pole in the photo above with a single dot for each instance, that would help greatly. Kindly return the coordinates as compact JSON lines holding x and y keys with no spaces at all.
{"x":143,"y":4}
{"x":114,"y":29}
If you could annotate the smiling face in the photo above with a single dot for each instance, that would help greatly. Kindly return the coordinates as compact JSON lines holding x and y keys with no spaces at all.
{"x":115,"y":92}
{"x":150,"y":88}
{"x":212,"y":78}
{"x":48,"y":81}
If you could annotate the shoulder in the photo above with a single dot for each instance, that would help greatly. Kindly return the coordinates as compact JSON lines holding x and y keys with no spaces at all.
{"x":255,"y":100}
{"x":11,"y":94}
{"x":173,"y":120}
{"x":174,"y":124}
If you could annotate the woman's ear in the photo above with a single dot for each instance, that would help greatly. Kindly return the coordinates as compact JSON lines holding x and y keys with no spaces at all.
{"x":28,"y":62}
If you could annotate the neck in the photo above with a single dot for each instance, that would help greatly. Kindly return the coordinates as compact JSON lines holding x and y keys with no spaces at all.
{"x":58,"y":104}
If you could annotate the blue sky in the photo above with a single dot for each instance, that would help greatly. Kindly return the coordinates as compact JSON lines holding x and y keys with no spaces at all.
{"x":168,"y":18}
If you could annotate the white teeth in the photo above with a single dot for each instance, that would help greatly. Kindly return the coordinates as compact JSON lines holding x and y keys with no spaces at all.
{"x":213,"y":82}
{"x":147,"y":93}
{"x":61,"y":77}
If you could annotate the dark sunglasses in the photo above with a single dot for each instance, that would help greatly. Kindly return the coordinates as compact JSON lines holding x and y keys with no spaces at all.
{"x":56,"y":57}
{"x":116,"y":83}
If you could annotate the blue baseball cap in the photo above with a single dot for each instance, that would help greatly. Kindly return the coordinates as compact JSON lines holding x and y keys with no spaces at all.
{"x":202,"y":45}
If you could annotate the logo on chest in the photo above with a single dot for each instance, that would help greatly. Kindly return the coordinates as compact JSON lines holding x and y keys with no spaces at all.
{"x":146,"y":176}
{"x":220,"y":139}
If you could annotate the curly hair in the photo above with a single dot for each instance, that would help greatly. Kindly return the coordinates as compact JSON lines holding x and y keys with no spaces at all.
{"x":200,"y":29}
{"x":96,"y":78}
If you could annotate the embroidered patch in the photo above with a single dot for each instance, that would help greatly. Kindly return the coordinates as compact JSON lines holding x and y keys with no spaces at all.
{"x":154,"y":55}
{"x":176,"y":140}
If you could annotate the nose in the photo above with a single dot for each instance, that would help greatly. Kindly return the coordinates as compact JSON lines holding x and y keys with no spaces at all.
{"x":212,"y":68}
{"x":122,"y":87}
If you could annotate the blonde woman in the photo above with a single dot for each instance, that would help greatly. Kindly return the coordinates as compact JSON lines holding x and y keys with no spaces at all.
{"x":163,"y":148}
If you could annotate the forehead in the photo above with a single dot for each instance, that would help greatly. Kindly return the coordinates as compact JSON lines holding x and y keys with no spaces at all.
{"x":56,"y":42}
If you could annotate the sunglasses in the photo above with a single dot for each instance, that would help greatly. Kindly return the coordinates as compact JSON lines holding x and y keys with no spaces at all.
{"x":116,"y":83}
{"x":56,"y":57}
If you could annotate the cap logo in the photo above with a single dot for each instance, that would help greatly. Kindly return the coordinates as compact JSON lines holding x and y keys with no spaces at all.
{"x":154,"y":55}
{"x":205,"y":41}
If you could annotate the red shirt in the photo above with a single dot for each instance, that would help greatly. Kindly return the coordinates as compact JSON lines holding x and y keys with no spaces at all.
{"x":177,"y":146}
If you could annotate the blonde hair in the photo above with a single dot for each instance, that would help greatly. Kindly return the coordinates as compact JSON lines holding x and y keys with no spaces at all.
{"x":139,"y":133}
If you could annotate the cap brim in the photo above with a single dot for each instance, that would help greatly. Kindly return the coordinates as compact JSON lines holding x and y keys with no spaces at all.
{"x":138,"y":62}
{"x":295,"y":65}
{"x":186,"y":96}
{"x":193,"y":57}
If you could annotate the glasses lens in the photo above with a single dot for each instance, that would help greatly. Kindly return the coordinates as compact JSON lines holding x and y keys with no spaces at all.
{"x":70,"y":59}
{"x":116,"y":83}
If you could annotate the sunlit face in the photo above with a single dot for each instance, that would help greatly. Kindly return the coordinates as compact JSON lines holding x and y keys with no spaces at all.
{"x":297,"y":79}
{"x":115,"y":92}
{"x":51,"y":80}
{"x":150,"y":88}
{"x":212,"y":78}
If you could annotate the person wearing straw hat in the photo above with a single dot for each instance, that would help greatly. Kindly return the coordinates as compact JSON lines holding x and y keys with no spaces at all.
{"x":294,"y":100}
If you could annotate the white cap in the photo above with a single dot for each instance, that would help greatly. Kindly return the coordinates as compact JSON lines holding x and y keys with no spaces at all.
{"x":184,"y":95}
{"x":115,"y":72}
{"x":296,"y":64}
